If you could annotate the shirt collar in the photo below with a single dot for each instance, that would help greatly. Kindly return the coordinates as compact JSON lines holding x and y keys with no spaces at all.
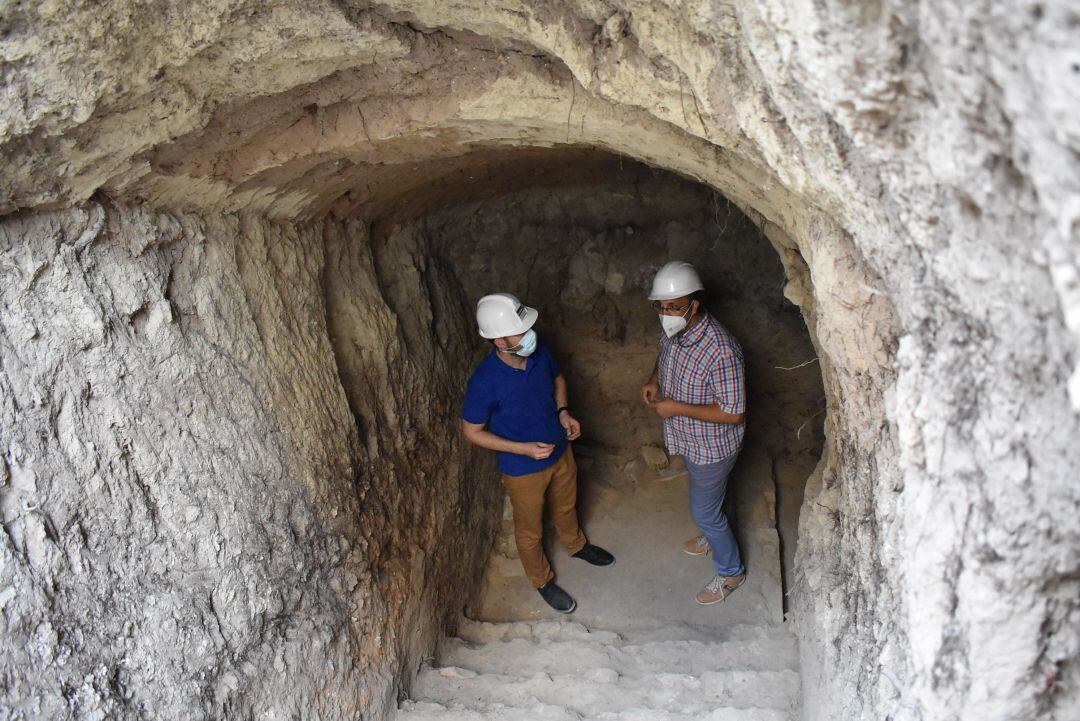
{"x":694,"y":335}
{"x":529,"y":362}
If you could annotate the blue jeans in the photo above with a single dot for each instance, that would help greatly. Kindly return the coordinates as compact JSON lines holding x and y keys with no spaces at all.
{"x":708,"y":487}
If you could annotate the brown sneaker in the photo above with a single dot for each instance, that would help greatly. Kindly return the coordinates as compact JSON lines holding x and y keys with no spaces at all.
{"x":697,"y":546}
{"x":719,"y":589}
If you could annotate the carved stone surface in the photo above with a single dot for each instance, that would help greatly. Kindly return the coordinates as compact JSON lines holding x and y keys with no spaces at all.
{"x":195,"y":525}
{"x":913,"y":164}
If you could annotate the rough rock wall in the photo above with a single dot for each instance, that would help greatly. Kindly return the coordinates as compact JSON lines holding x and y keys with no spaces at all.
{"x":914,"y":164}
{"x":193,"y":525}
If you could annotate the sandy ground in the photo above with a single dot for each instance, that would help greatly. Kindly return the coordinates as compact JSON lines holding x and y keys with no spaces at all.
{"x":643,"y":521}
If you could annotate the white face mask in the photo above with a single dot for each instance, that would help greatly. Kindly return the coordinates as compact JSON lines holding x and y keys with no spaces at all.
{"x":527,"y":343}
{"x":525,"y":347}
{"x":673,"y":324}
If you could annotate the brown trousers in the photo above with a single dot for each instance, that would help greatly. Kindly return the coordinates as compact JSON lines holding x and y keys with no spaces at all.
{"x":557,"y":484}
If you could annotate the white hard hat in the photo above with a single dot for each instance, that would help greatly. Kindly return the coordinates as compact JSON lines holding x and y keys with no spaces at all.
{"x":500,"y":315}
{"x":674,"y":280}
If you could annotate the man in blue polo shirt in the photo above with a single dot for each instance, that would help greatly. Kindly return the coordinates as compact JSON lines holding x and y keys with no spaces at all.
{"x":516,"y":404}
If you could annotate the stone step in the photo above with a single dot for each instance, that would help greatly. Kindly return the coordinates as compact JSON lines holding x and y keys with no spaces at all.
{"x":528,"y":656}
{"x":426,"y":711}
{"x":479,"y":632}
{"x":601,"y":690}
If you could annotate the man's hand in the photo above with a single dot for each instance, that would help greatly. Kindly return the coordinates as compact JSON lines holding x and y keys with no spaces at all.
{"x":573,"y":428}
{"x":537,"y":451}
{"x":650,"y":392}
{"x":665,"y":408}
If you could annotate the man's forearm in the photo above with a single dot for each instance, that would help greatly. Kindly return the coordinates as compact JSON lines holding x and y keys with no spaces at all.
{"x":710,"y":413}
{"x":561,"y":396}
{"x":490,"y":441}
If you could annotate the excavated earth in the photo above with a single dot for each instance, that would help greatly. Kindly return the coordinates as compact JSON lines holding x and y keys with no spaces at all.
{"x":239,"y":246}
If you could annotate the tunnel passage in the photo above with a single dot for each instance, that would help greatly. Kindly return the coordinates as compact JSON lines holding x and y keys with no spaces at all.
{"x":212,"y":406}
{"x":578,"y":234}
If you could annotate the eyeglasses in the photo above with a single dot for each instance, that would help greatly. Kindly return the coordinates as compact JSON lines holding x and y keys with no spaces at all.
{"x":658,"y":306}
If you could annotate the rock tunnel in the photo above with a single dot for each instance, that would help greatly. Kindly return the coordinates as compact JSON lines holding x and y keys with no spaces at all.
{"x":239,"y":250}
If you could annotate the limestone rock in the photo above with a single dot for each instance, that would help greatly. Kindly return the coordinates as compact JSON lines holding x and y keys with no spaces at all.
{"x":654,"y":457}
{"x":188,"y":495}
{"x":914,"y":165}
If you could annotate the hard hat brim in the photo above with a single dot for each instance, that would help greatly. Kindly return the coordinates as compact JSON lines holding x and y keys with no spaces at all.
{"x":672,"y":296}
{"x":529,"y":319}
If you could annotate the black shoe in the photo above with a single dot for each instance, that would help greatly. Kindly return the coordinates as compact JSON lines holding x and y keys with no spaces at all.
{"x":557,"y":598}
{"x":595,"y":555}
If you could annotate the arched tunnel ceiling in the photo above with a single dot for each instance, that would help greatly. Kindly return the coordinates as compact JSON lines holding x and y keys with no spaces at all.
{"x":293,"y":110}
{"x":332,"y":144}
{"x":406,"y":191}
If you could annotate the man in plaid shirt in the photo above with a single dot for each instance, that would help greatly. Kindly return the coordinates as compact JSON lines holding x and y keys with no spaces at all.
{"x":699,"y":388}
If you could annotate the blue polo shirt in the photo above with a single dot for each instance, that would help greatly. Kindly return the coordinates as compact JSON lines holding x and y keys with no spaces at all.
{"x":518,"y":405}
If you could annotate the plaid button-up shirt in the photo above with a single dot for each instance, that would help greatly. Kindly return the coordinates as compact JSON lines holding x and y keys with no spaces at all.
{"x":701,"y":366}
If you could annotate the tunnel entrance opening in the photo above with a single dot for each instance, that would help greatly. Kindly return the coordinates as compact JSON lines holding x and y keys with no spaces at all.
{"x":578,"y":234}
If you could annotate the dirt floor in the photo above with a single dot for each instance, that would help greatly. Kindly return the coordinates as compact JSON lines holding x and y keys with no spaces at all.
{"x":642,"y":516}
